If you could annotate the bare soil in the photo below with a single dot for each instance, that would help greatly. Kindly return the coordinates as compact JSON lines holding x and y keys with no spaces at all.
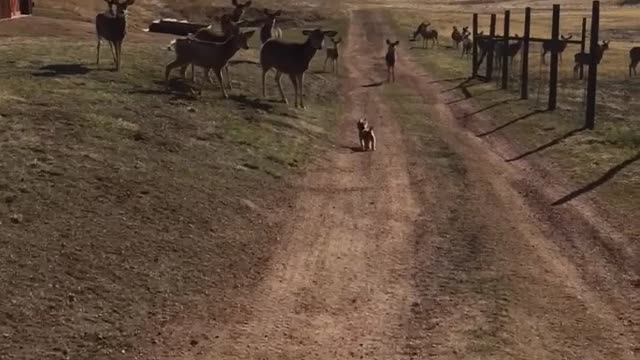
{"x":431,"y":246}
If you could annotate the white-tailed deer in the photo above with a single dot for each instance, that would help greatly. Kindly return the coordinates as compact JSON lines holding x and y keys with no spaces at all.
{"x":269,"y":29}
{"x":238,"y":11}
{"x":458,"y":36}
{"x":208,"y":55}
{"x":547,"y":46}
{"x":390,"y":59}
{"x":424,"y":30}
{"x":634,"y":55}
{"x":208,"y":34}
{"x":512,"y":50}
{"x":112,"y":27}
{"x":332,"y":56}
{"x":291,"y":59}
{"x":584,"y":59}
{"x":467,"y":44}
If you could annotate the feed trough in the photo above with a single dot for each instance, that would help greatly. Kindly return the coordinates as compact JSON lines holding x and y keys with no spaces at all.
{"x":175,"y":27}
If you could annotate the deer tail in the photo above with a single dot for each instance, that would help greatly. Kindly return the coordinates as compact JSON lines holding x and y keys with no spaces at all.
{"x":171,"y":45}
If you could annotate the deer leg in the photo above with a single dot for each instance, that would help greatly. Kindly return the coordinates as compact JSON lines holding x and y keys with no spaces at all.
{"x":301,"y":92}
{"x":264,"y":87}
{"x":294,"y":81}
{"x":279,"y":82}
{"x":98,"y":53}
{"x":118,"y":54}
{"x":324,"y":67}
{"x":113,"y":53}
{"x":226,"y":71}
{"x":220,"y":79}
{"x":170,"y":67}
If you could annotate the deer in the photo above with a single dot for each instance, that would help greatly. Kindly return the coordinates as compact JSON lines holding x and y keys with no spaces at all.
{"x":112,"y":27}
{"x":458,"y":36}
{"x":390,"y":59}
{"x":512,"y":50}
{"x":293,"y":59}
{"x":332,"y":56}
{"x":208,"y":34}
{"x":208,"y":55}
{"x":238,"y":10}
{"x":270,"y":30}
{"x":427,"y":33}
{"x":467,"y":44}
{"x":634,"y":55}
{"x":547,"y":46}
{"x":585,"y":58}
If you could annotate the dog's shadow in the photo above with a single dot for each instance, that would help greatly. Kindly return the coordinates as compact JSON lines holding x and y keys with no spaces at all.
{"x":353,"y":148}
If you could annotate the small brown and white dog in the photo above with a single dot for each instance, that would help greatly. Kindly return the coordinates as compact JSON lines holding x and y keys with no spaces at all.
{"x":366,"y":135}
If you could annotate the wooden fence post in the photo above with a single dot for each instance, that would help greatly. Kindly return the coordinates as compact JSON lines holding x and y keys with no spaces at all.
{"x":583,"y":44}
{"x":505,"y":50}
{"x":475,"y":46}
{"x":553,"y":76}
{"x":590,"y":120}
{"x":524,"y":84}
{"x":492,"y":33}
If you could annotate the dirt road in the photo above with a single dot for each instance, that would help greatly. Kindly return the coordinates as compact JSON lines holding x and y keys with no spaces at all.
{"x":394,"y":255}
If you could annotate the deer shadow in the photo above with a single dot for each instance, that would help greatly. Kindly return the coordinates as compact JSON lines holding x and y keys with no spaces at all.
{"x":549,"y":144}
{"x":610,"y":174}
{"x":54,"y":70}
{"x":176,"y":87}
{"x":509,"y":123}
{"x":251,"y":102}
{"x":373,"y":84}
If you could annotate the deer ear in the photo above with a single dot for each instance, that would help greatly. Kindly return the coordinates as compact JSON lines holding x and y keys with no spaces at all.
{"x":388,"y":42}
{"x":249,"y":34}
{"x":396,"y":43}
{"x":278,"y":13}
{"x":330,"y":33}
{"x":306,"y":32}
{"x":247,"y":4}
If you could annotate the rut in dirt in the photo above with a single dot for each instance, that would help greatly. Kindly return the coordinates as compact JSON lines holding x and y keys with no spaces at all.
{"x":419,"y":249}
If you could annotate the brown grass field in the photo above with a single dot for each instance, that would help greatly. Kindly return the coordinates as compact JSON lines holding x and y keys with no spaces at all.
{"x":127,"y":205}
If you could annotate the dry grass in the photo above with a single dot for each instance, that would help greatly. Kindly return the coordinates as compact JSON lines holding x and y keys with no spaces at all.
{"x":125,"y":205}
{"x":586,"y":158}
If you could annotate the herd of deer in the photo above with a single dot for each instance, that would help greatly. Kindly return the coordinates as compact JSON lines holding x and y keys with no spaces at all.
{"x":512,"y":49}
{"x":212,"y":50}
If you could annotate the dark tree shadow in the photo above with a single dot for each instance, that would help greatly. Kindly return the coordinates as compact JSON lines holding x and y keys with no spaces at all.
{"x":251,"y":102}
{"x":464,"y":84}
{"x":468,"y":95}
{"x":600,"y":181}
{"x":446,"y":80}
{"x":523,"y":117}
{"x":549,"y":144}
{"x":489,"y":107}
{"x":61,"y":70}
{"x":374,"y":84}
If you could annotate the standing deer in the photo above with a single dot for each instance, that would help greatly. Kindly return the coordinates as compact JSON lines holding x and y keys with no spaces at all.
{"x":390,"y":59}
{"x":270,"y":30}
{"x":585,"y":58}
{"x":112,"y":27}
{"x":467,"y":44}
{"x":207,"y":55}
{"x":547,"y":46}
{"x":427,"y":33}
{"x":332,"y":56}
{"x":512,"y":50}
{"x":634,"y":55}
{"x":458,"y":36}
{"x":208,"y":34}
{"x":238,"y":11}
{"x":291,"y":59}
